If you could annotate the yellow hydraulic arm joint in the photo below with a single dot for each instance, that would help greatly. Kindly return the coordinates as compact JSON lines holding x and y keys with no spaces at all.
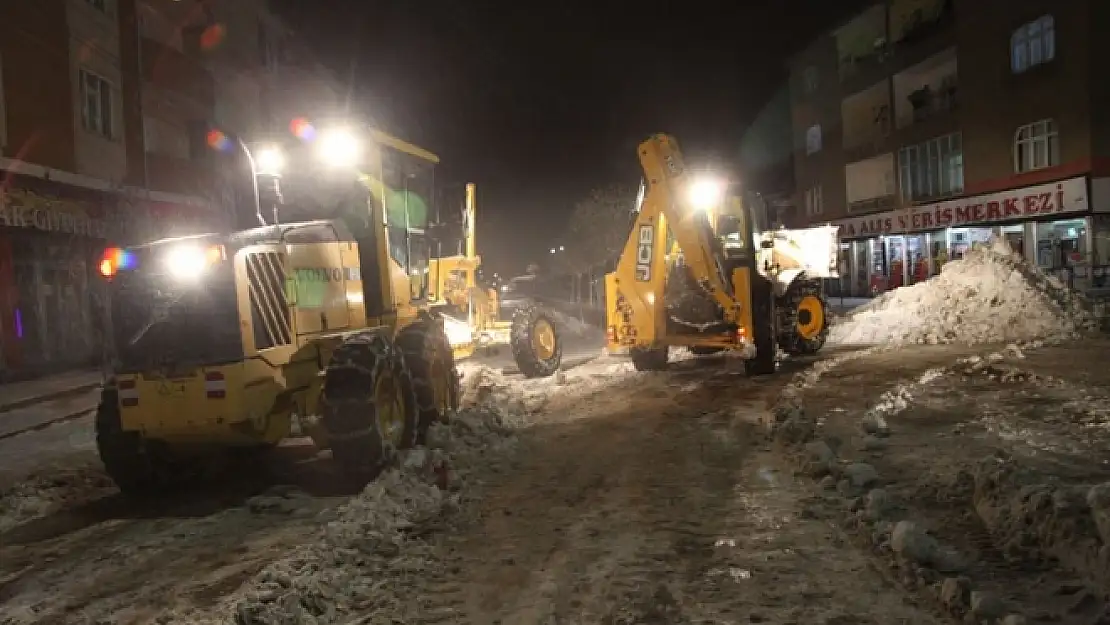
{"x":667,"y":197}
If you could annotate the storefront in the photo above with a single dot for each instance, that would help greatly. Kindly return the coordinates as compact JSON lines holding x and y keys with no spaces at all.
{"x":53,"y":304}
{"x":1051,"y":224}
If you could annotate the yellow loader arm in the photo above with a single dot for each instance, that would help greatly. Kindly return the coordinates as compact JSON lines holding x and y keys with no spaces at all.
{"x":640,"y":275}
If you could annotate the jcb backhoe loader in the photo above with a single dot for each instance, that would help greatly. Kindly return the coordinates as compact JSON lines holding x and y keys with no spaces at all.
{"x":695,"y":273}
{"x":223,"y":341}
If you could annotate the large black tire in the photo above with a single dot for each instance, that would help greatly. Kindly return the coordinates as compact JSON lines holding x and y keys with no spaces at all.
{"x":435,"y":380}
{"x":763,"y":363}
{"x":649,"y":358}
{"x":535,"y":342}
{"x":804,"y":318}
{"x":140,"y":468}
{"x":369,"y":405}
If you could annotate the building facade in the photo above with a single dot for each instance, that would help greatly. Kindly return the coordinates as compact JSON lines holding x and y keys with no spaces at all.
{"x":87,"y":90}
{"x":105,"y":112}
{"x":923,"y":127}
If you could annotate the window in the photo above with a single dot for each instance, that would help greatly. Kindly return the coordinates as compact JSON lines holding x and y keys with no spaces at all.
{"x":933,"y":169}
{"x":815,"y":204}
{"x":809,"y":80}
{"x":96,"y":104}
{"x":1032,"y":44}
{"x":813,"y":139}
{"x":1036,"y":146}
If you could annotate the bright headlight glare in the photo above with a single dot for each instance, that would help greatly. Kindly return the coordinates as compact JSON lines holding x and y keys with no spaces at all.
{"x":706,"y":193}
{"x":187,"y":262}
{"x":458,"y":332}
{"x":339,"y":147}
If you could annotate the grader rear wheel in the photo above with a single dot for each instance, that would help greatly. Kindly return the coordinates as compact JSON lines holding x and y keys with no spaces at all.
{"x":140,"y":468}
{"x":537,"y":347}
{"x":434,"y":377}
{"x":369,"y":404}
{"x":804,"y":324}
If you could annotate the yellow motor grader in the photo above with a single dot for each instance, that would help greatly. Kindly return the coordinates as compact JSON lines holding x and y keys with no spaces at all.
{"x":697,"y":272}
{"x":225,"y":341}
{"x":472,"y":313}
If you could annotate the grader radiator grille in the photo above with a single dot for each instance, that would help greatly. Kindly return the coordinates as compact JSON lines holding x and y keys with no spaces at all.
{"x":269,"y":308}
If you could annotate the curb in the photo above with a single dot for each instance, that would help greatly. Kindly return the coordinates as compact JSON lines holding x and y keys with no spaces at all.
{"x":42,"y":425}
{"x":45,"y":397}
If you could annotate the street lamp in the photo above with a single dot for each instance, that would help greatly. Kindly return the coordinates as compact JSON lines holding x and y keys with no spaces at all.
{"x":269,"y":162}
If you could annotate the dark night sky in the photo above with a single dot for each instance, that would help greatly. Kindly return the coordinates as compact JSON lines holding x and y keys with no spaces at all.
{"x":538,"y":103}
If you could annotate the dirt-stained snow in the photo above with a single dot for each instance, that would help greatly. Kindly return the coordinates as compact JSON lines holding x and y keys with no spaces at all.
{"x":989,"y":296}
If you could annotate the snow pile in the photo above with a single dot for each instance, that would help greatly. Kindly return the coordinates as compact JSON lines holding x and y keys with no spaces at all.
{"x":50,"y":491}
{"x":991,"y":295}
{"x":370,"y":551}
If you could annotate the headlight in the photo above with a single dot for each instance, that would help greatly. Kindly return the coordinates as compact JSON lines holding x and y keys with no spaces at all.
{"x":706,"y":192}
{"x":189,"y":262}
{"x":458,"y":332}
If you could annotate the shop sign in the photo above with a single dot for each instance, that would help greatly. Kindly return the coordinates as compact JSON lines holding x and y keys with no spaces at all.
{"x":19,"y":209}
{"x":1057,"y":198}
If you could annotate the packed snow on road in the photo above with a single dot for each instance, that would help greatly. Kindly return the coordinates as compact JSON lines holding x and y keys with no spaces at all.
{"x":941,"y":461}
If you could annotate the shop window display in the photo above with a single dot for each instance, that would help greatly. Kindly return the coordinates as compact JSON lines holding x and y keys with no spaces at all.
{"x":938,"y":253}
{"x":1015,"y":236}
{"x":861,"y":249}
{"x":1101,"y":243}
{"x":1062,"y":244}
{"x":896,"y":259}
{"x":917,"y":262}
{"x":878,"y":266}
{"x":961,"y":240}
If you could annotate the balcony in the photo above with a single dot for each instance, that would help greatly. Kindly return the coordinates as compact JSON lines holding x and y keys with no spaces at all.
{"x":866,"y":120}
{"x":862,"y":43}
{"x":926,"y":90}
{"x":177,"y":73}
{"x":914,"y":21}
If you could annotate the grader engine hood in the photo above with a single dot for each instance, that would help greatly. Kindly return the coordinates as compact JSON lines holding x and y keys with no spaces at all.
{"x":811,"y":250}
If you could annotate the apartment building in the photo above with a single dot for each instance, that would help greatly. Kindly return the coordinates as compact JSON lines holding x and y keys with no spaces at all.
{"x":923,"y":127}
{"x":67,"y":184}
{"x":105,"y":108}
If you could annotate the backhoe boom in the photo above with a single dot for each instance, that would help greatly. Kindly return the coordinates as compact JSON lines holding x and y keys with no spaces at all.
{"x":640,"y":274}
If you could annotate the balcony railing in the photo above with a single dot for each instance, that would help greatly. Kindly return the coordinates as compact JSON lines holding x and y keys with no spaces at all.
{"x":928,"y":102}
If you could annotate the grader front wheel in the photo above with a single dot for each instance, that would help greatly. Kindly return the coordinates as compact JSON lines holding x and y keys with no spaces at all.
{"x":537,"y":347}
{"x":369,"y":404}
{"x":431,"y":363}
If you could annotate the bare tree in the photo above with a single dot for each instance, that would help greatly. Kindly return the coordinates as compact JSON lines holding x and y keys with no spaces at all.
{"x":596,"y":235}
